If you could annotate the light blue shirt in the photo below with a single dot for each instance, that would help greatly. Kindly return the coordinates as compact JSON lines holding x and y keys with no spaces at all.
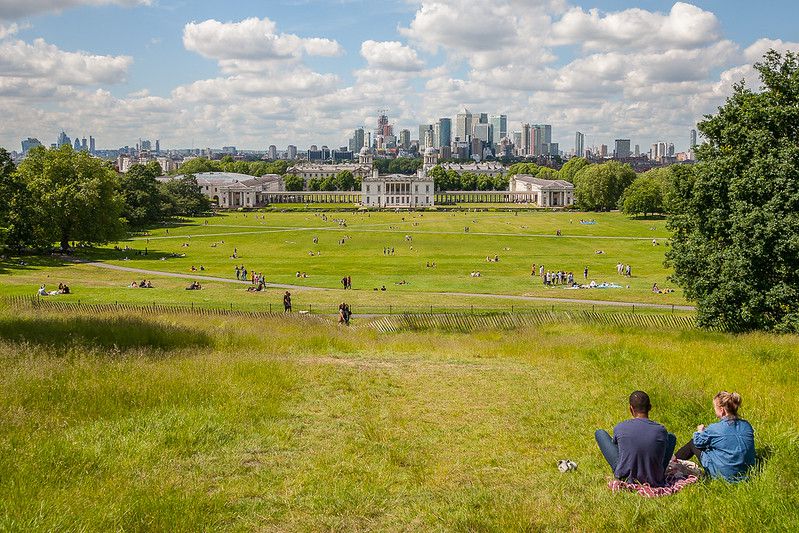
{"x":728,"y":448}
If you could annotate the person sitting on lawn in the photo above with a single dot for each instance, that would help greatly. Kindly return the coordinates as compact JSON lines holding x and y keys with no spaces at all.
{"x":640,"y":449}
{"x":726,"y":448}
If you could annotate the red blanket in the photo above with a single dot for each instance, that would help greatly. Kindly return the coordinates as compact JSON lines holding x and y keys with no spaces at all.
{"x":673,"y":486}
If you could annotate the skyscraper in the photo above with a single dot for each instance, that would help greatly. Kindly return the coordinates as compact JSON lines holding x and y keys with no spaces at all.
{"x":500,"y":127}
{"x":359,"y":140}
{"x":405,"y":139}
{"x":84,"y":145}
{"x":63,"y":139}
{"x":622,"y":150}
{"x":579,"y":144}
{"x":463,"y":125}
{"x":423,"y":135}
{"x":272,"y":152}
{"x":77,"y":144}
{"x":92,"y":147}
{"x":444,"y":132}
{"x":29,"y":143}
{"x":693,"y":140}
{"x":158,"y":146}
{"x":526,"y":141}
{"x":291,"y":152}
{"x":542,"y":135}
{"x":482,"y":118}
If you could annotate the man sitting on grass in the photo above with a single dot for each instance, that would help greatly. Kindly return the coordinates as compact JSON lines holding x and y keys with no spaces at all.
{"x":640,"y":449}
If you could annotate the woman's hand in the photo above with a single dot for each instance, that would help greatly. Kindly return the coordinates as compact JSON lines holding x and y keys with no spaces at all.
{"x":700,"y":428}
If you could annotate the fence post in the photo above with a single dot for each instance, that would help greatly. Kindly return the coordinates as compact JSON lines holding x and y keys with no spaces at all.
{"x":270,"y":307}
{"x":633,"y":308}
{"x":310,"y":308}
{"x":431,"y":309}
{"x":231,"y":306}
{"x":511,"y":308}
{"x":672,"y":309}
{"x":192,"y":306}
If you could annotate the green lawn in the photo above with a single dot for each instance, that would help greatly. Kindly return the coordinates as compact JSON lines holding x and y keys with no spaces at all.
{"x":168,"y":423}
{"x":279,"y":244}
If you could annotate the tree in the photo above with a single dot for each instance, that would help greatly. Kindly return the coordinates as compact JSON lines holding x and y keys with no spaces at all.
{"x":468,"y":181}
{"x":327,"y":184}
{"x":643,"y":196}
{"x":184,"y":197}
{"x":344,"y":181}
{"x":484,"y":182}
{"x":546,"y":173}
{"x":735,"y":244}
{"x":523,"y":168}
{"x":599,"y":187}
{"x":293,"y":182}
{"x":74,"y":196}
{"x":142,"y":196}
{"x":199,"y":165}
{"x":572,"y":167}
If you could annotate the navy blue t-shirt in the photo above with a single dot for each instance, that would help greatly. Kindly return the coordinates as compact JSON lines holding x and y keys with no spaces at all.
{"x":642,"y":445}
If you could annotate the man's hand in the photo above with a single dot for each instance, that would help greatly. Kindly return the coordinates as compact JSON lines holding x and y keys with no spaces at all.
{"x":700,"y":428}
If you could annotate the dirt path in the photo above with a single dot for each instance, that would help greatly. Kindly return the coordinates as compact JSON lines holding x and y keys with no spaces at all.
{"x":511,"y":297}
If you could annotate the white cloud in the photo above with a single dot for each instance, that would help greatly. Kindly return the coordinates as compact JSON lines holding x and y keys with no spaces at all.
{"x":251,"y":44}
{"x":13,"y":9}
{"x":45,"y":61}
{"x":685,"y":26}
{"x":7,"y":31}
{"x":391,"y":55}
{"x":758,"y":49}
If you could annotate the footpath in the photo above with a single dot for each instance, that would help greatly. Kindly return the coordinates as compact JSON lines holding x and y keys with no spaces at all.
{"x":510,"y":297}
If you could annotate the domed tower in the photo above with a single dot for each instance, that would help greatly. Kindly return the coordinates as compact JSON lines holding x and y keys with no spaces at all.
{"x":365,"y":157}
{"x":430,"y":158}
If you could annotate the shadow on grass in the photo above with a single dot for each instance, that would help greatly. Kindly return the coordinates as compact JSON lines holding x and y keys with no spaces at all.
{"x":122,"y":333}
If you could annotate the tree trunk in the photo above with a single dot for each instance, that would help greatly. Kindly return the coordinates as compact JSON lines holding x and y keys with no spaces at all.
{"x":64,"y":242}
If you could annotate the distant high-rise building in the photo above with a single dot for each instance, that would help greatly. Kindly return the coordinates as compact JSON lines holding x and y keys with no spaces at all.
{"x":463,"y":125}
{"x":84,"y":145}
{"x":146,"y":145}
{"x":29,"y":143}
{"x":444,"y":132}
{"x":405,"y":139}
{"x":603,"y":150}
{"x":526,"y":141}
{"x":76,"y":147}
{"x":360,"y":140}
{"x":622,"y":149}
{"x":482,"y":131}
{"x":482,"y":118}
{"x":637,"y":150}
{"x":579,"y":144}
{"x":424,"y":129}
{"x":499,"y":124}
{"x":552,"y":149}
{"x":157,"y":146}
{"x":92,"y":146}
{"x":516,"y":137}
{"x":693,"y":140}
{"x":541,"y":135}
{"x":63,"y":139}
{"x":272,"y":152}
{"x":291,"y":152}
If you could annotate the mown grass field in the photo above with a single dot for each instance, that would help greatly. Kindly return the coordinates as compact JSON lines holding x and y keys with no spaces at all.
{"x":280,"y":245}
{"x":130,"y":422}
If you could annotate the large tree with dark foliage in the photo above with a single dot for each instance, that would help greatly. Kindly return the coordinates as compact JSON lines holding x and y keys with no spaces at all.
{"x":73,"y":197}
{"x":735,"y":248}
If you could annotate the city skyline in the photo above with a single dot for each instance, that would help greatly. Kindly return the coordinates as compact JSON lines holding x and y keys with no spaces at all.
{"x":310,"y":72}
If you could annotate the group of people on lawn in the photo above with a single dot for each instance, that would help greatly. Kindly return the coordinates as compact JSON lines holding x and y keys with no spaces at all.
{"x":641,"y":450}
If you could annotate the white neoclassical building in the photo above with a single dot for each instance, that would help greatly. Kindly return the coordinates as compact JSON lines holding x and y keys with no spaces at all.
{"x":399,"y":190}
{"x":546,"y":193}
{"x":230,"y":190}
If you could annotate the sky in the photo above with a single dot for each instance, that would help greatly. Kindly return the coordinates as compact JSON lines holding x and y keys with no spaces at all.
{"x":250,"y":74}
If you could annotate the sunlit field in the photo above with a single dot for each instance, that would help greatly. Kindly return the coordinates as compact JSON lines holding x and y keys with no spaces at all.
{"x":280,"y":245}
{"x":130,"y":422}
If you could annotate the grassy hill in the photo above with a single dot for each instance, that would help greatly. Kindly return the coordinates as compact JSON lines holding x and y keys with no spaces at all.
{"x":135,"y":422}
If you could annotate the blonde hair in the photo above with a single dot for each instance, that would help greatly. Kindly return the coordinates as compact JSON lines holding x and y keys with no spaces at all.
{"x":730,"y":401}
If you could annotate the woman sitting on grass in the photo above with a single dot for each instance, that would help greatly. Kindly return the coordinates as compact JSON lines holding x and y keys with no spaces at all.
{"x":726,"y":448}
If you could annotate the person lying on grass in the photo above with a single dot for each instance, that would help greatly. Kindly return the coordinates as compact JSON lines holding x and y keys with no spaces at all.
{"x":726,"y":449}
{"x":640,"y":449}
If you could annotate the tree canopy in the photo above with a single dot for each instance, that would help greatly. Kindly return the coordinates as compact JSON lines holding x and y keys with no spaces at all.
{"x":73,"y":196}
{"x":599,"y":187}
{"x":572,"y":167}
{"x":644,"y":196}
{"x":735,"y":247}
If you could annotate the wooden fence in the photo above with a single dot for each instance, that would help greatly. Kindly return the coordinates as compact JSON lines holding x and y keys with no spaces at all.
{"x":465,"y":323}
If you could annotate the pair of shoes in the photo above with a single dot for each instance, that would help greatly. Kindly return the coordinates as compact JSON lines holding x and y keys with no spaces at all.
{"x":567,"y":465}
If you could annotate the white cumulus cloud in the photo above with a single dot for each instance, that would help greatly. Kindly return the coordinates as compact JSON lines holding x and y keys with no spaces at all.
{"x":391,"y":55}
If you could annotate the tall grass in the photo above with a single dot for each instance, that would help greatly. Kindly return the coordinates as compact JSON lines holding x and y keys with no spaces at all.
{"x":276,"y":425}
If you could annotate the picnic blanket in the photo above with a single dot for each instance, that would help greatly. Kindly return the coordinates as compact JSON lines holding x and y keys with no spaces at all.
{"x":674,"y":484}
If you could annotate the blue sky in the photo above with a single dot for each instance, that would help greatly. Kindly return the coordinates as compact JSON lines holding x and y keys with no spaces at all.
{"x":251,"y":74}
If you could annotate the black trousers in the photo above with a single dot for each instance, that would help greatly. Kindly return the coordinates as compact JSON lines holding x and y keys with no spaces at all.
{"x":689,"y":450}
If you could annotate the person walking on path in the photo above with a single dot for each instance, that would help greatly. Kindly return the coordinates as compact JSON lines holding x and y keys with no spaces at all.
{"x":585,"y":273}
